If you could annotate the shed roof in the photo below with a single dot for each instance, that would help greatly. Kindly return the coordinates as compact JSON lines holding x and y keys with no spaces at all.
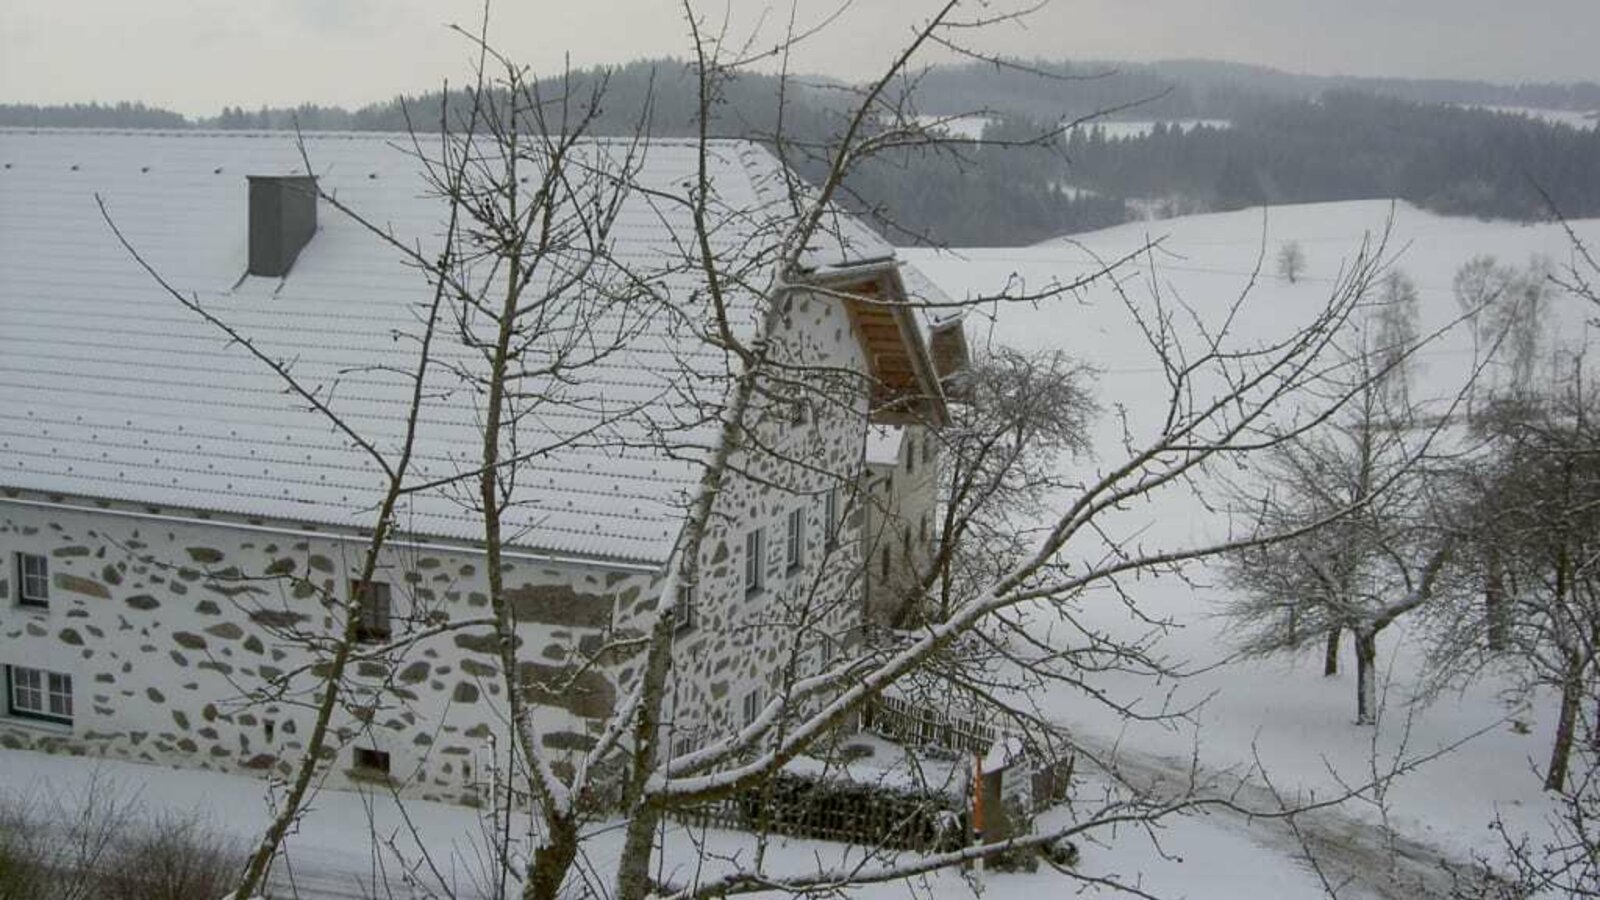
{"x":110,"y":389}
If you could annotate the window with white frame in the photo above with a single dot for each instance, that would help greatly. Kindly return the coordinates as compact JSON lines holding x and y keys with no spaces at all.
{"x":755,"y":551}
{"x":39,"y":694}
{"x":33,"y":580}
{"x":795,"y":540}
{"x":374,"y":608}
{"x":830,"y":516}
{"x":752,"y":707}
{"x":683,"y":608}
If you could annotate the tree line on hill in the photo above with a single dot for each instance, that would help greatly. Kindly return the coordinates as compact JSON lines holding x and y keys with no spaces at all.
{"x":1348,"y":145}
{"x":1194,"y":89}
{"x":1289,"y":141}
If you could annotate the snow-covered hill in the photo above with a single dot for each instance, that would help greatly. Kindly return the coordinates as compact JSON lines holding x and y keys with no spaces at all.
{"x":1285,"y":712}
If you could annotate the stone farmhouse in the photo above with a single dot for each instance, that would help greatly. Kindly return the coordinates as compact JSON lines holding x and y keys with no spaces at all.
{"x":178,"y":534}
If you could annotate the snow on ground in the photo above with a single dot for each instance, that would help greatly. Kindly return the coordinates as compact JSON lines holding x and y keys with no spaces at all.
{"x":1135,"y":128}
{"x":967,"y":127}
{"x":1282,"y":711}
{"x":333,"y":855}
{"x":1573,"y":117}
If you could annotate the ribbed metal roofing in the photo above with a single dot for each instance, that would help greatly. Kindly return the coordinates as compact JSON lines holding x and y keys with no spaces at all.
{"x":109,"y":388}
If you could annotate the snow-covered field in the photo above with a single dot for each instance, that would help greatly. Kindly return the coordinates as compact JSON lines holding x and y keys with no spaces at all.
{"x":968,"y":127}
{"x":1132,"y":128}
{"x":1575,"y":118}
{"x":1284,"y":712}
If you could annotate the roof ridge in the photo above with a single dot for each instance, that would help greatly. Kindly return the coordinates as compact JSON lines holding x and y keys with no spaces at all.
{"x":268,"y":133}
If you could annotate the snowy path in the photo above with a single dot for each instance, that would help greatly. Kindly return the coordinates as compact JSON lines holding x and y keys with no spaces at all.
{"x":1356,"y":855}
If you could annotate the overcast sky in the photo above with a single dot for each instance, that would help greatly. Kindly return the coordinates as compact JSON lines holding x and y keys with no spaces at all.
{"x":197,"y":55}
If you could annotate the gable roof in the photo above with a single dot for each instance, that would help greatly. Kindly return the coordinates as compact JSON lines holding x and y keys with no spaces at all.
{"x":110,"y":389}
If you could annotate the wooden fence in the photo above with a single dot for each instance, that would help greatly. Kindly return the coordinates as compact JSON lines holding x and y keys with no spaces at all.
{"x":914,"y":725}
{"x":826,"y":809}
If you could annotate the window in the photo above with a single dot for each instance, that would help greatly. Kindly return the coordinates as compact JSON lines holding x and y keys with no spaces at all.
{"x":905,"y":542}
{"x":373,"y":606}
{"x":922,"y":536}
{"x":927,"y":451}
{"x":911,"y":454}
{"x":795,"y":545}
{"x":799,"y":411}
{"x":752,"y":707}
{"x":883,"y":563}
{"x":372,"y":762}
{"x":830,"y":517}
{"x":683,"y":609}
{"x":684,"y":743}
{"x":755,"y":547}
{"x":38,"y":694}
{"x":33,"y":580}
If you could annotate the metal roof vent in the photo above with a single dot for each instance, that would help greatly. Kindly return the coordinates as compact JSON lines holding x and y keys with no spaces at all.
{"x":283,"y":217}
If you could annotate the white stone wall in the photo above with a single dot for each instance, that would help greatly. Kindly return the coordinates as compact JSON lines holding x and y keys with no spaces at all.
{"x":743,"y":642}
{"x":170,"y":628}
{"x":901,"y":520}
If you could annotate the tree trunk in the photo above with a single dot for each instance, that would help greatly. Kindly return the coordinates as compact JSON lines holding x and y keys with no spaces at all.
{"x":1555,"y":778}
{"x":1330,"y":657}
{"x":1494,"y":603}
{"x":638,"y":848}
{"x":1366,"y":684}
{"x":552,"y":860}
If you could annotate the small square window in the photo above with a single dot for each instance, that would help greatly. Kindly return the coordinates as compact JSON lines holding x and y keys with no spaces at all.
{"x":684,"y":743}
{"x":33,"y":580}
{"x":39,"y":694}
{"x":374,"y":609}
{"x":683,"y":609}
{"x":752,"y":707}
{"x":372,"y":762}
{"x":755,"y":551}
{"x":794,"y":549}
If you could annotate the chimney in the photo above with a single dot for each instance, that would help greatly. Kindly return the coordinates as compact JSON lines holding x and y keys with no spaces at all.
{"x":283,"y":216}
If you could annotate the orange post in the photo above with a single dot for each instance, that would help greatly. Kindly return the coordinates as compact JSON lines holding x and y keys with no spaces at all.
{"x":977,"y":804}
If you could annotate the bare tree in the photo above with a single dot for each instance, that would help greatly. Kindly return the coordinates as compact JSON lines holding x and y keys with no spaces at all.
{"x":1384,"y":557}
{"x":1291,"y":261}
{"x":1537,"y":493}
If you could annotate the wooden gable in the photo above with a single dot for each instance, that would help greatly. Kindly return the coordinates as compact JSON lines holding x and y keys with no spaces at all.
{"x":905,"y":390}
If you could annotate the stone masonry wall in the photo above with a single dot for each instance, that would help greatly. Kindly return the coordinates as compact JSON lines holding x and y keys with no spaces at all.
{"x":806,"y":615}
{"x":172,"y":630}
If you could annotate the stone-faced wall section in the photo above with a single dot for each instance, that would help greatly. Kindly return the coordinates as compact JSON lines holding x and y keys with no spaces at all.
{"x":808,"y":440}
{"x":187,"y":645}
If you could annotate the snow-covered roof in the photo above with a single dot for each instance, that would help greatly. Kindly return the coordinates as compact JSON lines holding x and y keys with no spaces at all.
{"x":110,"y":389}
